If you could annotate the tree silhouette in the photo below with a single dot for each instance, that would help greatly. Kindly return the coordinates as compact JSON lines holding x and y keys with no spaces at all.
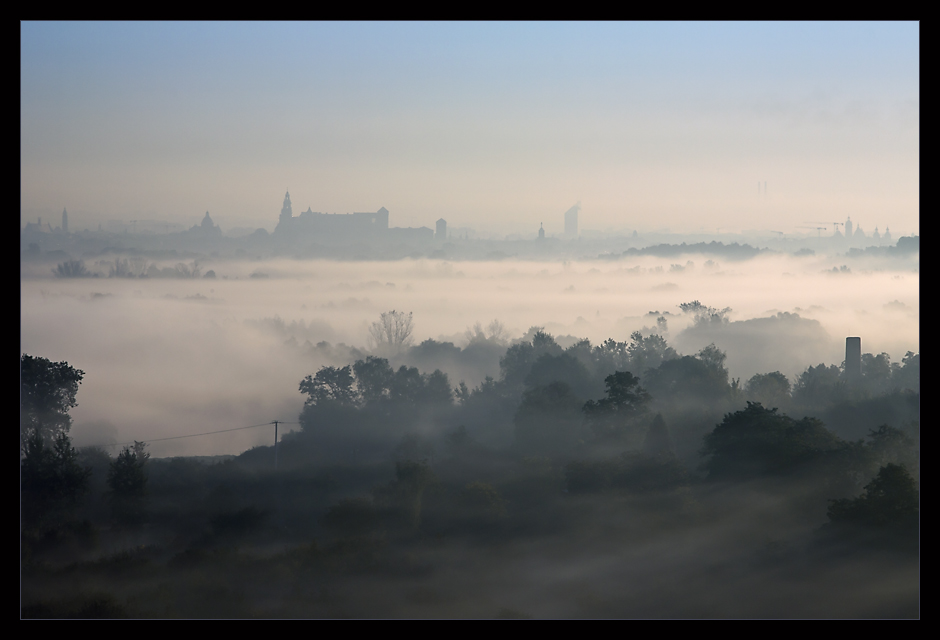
{"x":404,"y":494}
{"x":819,"y":386}
{"x":891,"y":498}
{"x":658,"y":441}
{"x":71,"y":269}
{"x":47,"y":392}
{"x":649,"y":352}
{"x":373,"y":378}
{"x":330,"y":385}
{"x":50,"y":477}
{"x":770,"y":389}
{"x":625,"y":401}
{"x":548,"y":421}
{"x":759,"y":441}
{"x":392,"y":331}
{"x":127,"y":480}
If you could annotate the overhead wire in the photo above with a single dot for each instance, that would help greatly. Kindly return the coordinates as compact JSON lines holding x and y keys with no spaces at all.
{"x":193,"y":435}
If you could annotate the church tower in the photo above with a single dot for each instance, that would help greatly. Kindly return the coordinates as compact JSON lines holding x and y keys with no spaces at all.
{"x":286,"y":211}
{"x":284,"y":223}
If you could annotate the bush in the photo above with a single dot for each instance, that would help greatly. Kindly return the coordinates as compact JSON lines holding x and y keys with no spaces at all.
{"x":71,"y":269}
{"x":890,"y":499}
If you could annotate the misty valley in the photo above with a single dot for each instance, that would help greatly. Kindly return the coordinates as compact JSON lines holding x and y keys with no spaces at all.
{"x":470,"y":320}
{"x":610,"y":446}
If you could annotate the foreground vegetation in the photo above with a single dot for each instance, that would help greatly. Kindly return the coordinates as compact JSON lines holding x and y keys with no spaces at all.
{"x":620,"y":480}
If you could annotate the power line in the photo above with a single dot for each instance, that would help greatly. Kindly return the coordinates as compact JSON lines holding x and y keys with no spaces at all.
{"x":193,"y":435}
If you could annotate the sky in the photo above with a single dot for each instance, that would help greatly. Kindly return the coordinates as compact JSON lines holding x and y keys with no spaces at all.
{"x":494,"y":126}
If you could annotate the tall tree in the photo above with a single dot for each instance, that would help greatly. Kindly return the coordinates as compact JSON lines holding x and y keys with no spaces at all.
{"x":50,"y":477}
{"x":770,"y":389}
{"x":47,"y":393}
{"x":625,"y":401}
{"x":392,"y":331}
{"x":330,"y":385}
{"x":127,"y":480}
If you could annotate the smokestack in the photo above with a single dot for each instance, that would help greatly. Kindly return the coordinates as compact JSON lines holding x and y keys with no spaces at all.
{"x":853,"y":360}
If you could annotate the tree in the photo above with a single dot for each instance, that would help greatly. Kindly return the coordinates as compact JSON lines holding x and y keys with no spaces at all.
{"x":714,"y":358}
{"x":549,"y":420}
{"x":891,"y":498}
{"x":50,"y":477}
{"x":876,"y":372}
{"x":373,"y":378}
{"x":437,"y":389}
{"x":770,"y":389}
{"x":71,"y":269}
{"x":703,"y":314}
{"x":495,"y":332}
{"x":658,"y":441}
{"x":392,"y":331}
{"x":47,"y":393}
{"x":625,"y":400}
{"x":689,"y":381}
{"x":517,"y":362}
{"x":888,"y":444}
{"x":127,"y":480}
{"x":404,"y":494}
{"x":330,"y":385}
{"x":907,"y":375}
{"x":611,"y":356}
{"x":625,"y":396}
{"x":407,"y":385}
{"x":649,"y":352}
{"x":758,"y":441}
{"x":191,"y":270}
{"x":462,"y":393}
{"x":819,"y":387}
{"x":562,"y":368}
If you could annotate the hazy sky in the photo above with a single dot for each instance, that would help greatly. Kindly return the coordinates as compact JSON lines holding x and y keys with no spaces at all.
{"x":497,"y":127}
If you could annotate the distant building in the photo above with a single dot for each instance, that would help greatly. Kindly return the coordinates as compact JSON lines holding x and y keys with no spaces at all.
{"x":541,"y":232}
{"x":887,"y":236}
{"x":571,"y":221}
{"x":38,"y":227}
{"x":65,"y":221}
{"x":848,"y":228}
{"x":206,"y":229}
{"x":286,"y":211}
{"x":325,"y":227}
{"x":441,"y":233}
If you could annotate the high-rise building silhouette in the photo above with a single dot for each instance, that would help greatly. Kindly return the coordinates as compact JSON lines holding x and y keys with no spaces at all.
{"x":571,"y":221}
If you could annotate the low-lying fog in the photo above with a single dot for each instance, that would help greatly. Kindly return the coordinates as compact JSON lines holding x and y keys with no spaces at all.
{"x":169,"y":357}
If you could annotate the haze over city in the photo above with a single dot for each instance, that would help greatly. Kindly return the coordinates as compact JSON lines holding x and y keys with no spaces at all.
{"x":651,"y":126}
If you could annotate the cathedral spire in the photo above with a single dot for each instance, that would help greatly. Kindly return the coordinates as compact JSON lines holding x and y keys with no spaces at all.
{"x":287,"y":211}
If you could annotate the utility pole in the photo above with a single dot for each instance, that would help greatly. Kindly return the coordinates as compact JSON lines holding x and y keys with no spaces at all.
{"x":275,"y":445}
